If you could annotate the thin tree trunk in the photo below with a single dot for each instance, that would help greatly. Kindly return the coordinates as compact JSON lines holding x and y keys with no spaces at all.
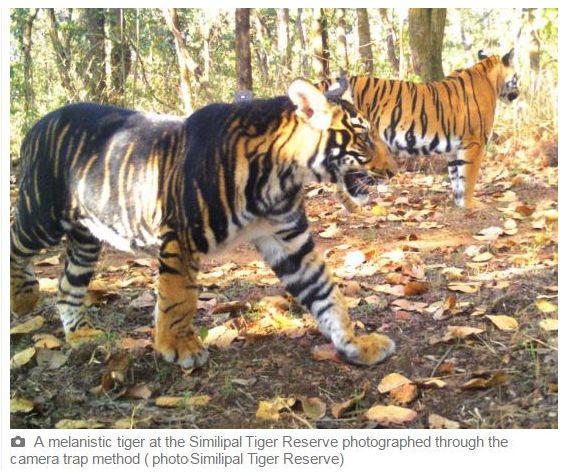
{"x":391,"y":40}
{"x":303,"y":43}
{"x":284,"y":37}
{"x":426,"y":32}
{"x":94,"y":22}
{"x":26,"y":45}
{"x":320,"y":50}
{"x":62,"y":55}
{"x":342,"y":51}
{"x":185,"y":62}
{"x":260,"y":50}
{"x":120,"y":56}
{"x":364,"y":41}
{"x":243,"y":49}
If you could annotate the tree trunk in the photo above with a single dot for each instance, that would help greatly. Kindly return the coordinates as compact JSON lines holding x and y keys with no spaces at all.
{"x":535,"y":43}
{"x":120,"y":56}
{"x":243,"y":49}
{"x":342,"y":51}
{"x":95,"y":71}
{"x":26,"y":28}
{"x":426,"y":32}
{"x":391,"y":40}
{"x":284,"y":37}
{"x":185,"y":62}
{"x":303,"y":43}
{"x":320,"y":50}
{"x":364,"y":41}
{"x":62,"y":55}
{"x":260,"y":51}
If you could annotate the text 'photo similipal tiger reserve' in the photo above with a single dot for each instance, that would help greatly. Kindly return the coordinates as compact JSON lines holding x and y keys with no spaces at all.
{"x":283,"y":218}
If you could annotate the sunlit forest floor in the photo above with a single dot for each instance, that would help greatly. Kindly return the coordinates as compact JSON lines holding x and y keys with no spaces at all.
{"x":469,"y":296}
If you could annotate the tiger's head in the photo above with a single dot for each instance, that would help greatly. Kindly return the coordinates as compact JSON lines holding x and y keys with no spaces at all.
{"x":347,"y":153}
{"x":507,"y":81}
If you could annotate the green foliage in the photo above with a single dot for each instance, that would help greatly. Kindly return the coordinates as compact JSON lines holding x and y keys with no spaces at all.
{"x":152,"y":82}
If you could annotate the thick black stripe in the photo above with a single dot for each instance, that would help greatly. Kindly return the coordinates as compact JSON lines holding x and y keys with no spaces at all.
{"x":297,"y":287}
{"x":292,"y":263}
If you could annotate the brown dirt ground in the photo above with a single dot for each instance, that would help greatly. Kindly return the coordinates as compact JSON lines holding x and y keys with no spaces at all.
{"x":268,"y":363}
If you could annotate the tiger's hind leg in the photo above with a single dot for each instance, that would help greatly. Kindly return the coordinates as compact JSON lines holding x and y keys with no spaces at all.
{"x":463,"y":173}
{"x":24,"y":287}
{"x":83,"y":250}
{"x":28,"y":236}
{"x":176,"y":307}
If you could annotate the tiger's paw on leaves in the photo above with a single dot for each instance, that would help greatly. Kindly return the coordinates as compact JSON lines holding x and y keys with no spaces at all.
{"x":188,"y":352}
{"x":368,"y":349}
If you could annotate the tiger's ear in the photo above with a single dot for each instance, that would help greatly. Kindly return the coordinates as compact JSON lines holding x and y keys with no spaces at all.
{"x":507,"y":60}
{"x":312,"y":105}
{"x":482,"y":55}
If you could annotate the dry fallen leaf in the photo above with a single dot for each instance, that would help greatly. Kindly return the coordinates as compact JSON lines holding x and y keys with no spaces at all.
{"x":22,"y":358}
{"x":326,"y":352}
{"x":457,"y":332}
{"x":48,"y":285}
{"x":391,"y":381}
{"x":439,"y":422}
{"x":181,"y":402}
{"x":378,"y":211}
{"x":413,"y":270}
{"x":313,"y":407}
{"x":549,"y":324}
{"x":390,"y":414}
{"x":339,"y":409}
{"x":31,"y":325}
{"x":546,"y":306}
{"x":220,"y":337}
{"x":464,"y":287}
{"x":78,"y":424}
{"x":46,"y":341}
{"x":129,"y":343}
{"x":489,"y":234}
{"x":50,"y":261}
{"x":454,"y":273}
{"x":270,"y":409}
{"x":413,"y":288}
{"x":505,"y":323}
{"x":231,"y":307}
{"x":482,"y":257}
{"x":410,"y":305}
{"x":139,"y":390}
{"x":486,"y":382}
{"x":21,"y":405}
{"x":404,"y":394}
{"x":431,"y":383}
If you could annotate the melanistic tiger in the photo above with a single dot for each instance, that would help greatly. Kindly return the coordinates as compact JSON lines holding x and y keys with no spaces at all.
{"x":179,"y":188}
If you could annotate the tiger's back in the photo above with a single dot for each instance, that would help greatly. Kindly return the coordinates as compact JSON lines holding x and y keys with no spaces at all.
{"x":454,"y":116}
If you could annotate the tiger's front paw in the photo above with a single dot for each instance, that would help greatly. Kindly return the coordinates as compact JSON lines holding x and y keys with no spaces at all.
{"x":367,"y":349}
{"x":187,"y":352}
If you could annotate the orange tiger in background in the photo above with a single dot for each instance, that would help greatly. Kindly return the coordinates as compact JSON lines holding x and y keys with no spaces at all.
{"x":454,"y":116}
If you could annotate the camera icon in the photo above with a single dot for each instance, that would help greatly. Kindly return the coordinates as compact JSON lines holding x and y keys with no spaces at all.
{"x":18,"y":442}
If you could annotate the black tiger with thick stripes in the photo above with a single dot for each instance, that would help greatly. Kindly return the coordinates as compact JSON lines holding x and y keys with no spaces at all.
{"x":179,"y":188}
{"x":454,"y":116}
